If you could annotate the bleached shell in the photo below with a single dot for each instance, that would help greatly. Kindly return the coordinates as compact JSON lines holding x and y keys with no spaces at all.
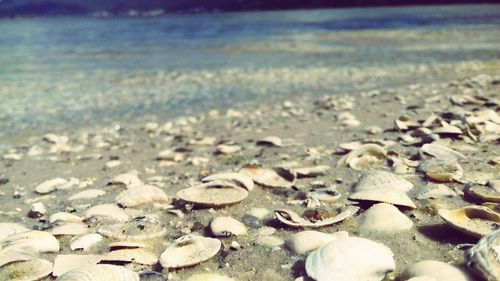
{"x":227,"y":226}
{"x":310,"y":240}
{"x":85,"y":242}
{"x":213,"y":194}
{"x":63,"y":217}
{"x":31,"y":270}
{"x":107,"y":210}
{"x":484,"y":257}
{"x":7,"y":229}
{"x":347,"y":259}
{"x":50,"y":185}
{"x":384,"y":217}
{"x":227,"y":149}
{"x":376,"y":179}
{"x":189,"y":250}
{"x":436,"y":270}
{"x":484,"y":193}
{"x":292,"y":219}
{"x":443,"y":152}
{"x":329,"y":194}
{"x":139,"y":256}
{"x":405,"y":123}
{"x":441,"y":170}
{"x":369,"y":151}
{"x":87,"y":194}
{"x":23,"y":245}
{"x":243,"y":180}
{"x":320,"y":170}
{"x":65,"y":263}
{"x":126,"y":245}
{"x":135,"y":230}
{"x":74,"y":228}
{"x":270,"y":141}
{"x":350,"y":146}
{"x":447,"y":129}
{"x":127,"y":179}
{"x":473,"y":220}
{"x":386,"y":195}
{"x":441,"y":191}
{"x":276,"y":177}
{"x":141,"y":194}
{"x":101,"y":272}
{"x":209,"y":277}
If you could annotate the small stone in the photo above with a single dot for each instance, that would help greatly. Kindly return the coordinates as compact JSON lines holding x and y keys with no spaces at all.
{"x":251,"y":221}
{"x":4,"y":181}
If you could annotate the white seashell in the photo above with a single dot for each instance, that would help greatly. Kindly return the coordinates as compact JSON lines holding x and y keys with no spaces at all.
{"x":386,"y":195}
{"x":375,"y":179}
{"x":213,"y":194}
{"x":135,"y":230}
{"x":484,"y":193}
{"x":24,"y":245}
{"x":50,"y":185}
{"x":139,"y":256}
{"x":363,"y":156}
{"x":312,"y":171}
{"x":125,"y":180}
{"x":85,"y":242}
{"x":260,"y":213}
{"x":101,"y":272}
{"x":350,"y":146}
{"x":347,"y":259}
{"x":277,"y":177}
{"x":7,"y":229}
{"x":329,"y":194}
{"x":227,"y":149}
{"x":484,"y":257}
{"x":126,"y":245}
{"x":227,"y":226}
{"x":63,"y":217}
{"x":65,"y":263}
{"x":87,"y":194}
{"x":189,"y":250}
{"x":475,"y":221}
{"x":443,"y":152}
{"x":239,"y":178}
{"x":292,"y":219}
{"x":107,"y":210}
{"x":209,"y":277}
{"x":310,"y":240}
{"x":74,"y":228}
{"x":384,"y":217}
{"x":141,"y":194}
{"x":404,"y":123}
{"x":31,"y":270}
{"x":270,"y":141}
{"x":441,"y":191}
{"x":441,"y":170}
{"x":437,"y":270}
{"x":112,"y":164}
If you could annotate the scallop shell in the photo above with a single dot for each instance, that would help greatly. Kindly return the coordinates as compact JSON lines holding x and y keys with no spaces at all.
{"x":31,"y":270}
{"x":363,"y":156}
{"x":238,"y":178}
{"x":443,"y":152}
{"x":75,"y":228}
{"x":24,"y":245}
{"x":107,"y":210}
{"x":475,"y":221}
{"x":63,"y":217}
{"x":85,"y":242}
{"x":350,"y":258}
{"x":139,"y":256}
{"x":484,"y":193}
{"x":65,"y":263}
{"x":484,"y":257}
{"x":87,"y":194}
{"x":270,"y":141}
{"x":141,"y":194}
{"x":213,"y":194}
{"x":7,"y":229}
{"x":101,"y":272}
{"x":292,"y":219}
{"x":125,"y":180}
{"x":276,"y":177}
{"x":135,"y":230}
{"x":441,"y":170}
{"x":320,"y":170}
{"x":310,"y":240}
{"x":189,"y":250}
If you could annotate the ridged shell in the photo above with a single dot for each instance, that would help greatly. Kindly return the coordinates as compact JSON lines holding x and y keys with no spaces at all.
{"x":85,"y":242}
{"x":310,"y":240}
{"x":213,"y":194}
{"x":239,"y":178}
{"x":475,"y":221}
{"x":350,"y":258}
{"x":107,"y":210}
{"x":31,"y":270}
{"x":276,"y":177}
{"x":443,"y":152}
{"x":484,"y":257}
{"x":135,"y":230}
{"x":189,"y":250}
{"x":437,"y":271}
{"x":386,"y":195}
{"x":370,"y":153}
{"x":7,"y":229}
{"x":292,"y":219}
{"x":65,"y":263}
{"x":24,"y":245}
{"x":101,"y":272}
{"x":142,"y":194}
{"x":87,"y":194}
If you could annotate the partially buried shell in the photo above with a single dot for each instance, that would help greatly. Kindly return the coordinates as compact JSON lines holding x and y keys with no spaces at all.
{"x":475,"y":221}
{"x":101,"y":272}
{"x":189,"y":250}
{"x":75,"y":228}
{"x":87,"y":194}
{"x":238,"y":178}
{"x":139,"y":229}
{"x":484,"y":193}
{"x":276,"y":177}
{"x":292,"y":219}
{"x":7,"y":229}
{"x":363,"y":157}
{"x":484,"y":257}
{"x":25,"y":245}
{"x":315,"y":171}
{"x":125,"y":180}
{"x":85,"y":242}
{"x":213,"y":194}
{"x":141,"y":194}
{"x":109,"y":211}
{"x":441,"y":170}
{"x":443,"y":152}
{"x":30,"y":270}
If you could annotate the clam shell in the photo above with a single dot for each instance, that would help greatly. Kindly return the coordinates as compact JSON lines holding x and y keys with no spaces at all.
{"x":292,"y":219}
{"x":141,"y":194}
{"x":239,"y":178}
{"x":63,"y":217}
{"x":140,"y":256}
{"x":107,"y":210}
{"x":386,"y":195}
{"x":87,"y":194}
{"x":126,"y":180}
{"x":31,"y":270}
{"x":50,"y":185}
{"x":320,"y":170}
{"x":484,"y":257}
{"x":484,"y":193}
{"x":101,"y":272}
{"x":227,"y":226}
{"x":270,"y":141}
{"x":209,"y":277}
{"x":135,"y":230}
{"x":213,"y":194}
{"x":24,"y":245}
{"x":126,"y":245}
{"x":65,"y":263}
{"x":75,"y":228}
{"x":473,"y":220}
{"x":227,"y":149}
{"x":189,"y":250}
{"x":384,"y":217}
{"x":310,"y":240}
{"x":436,"y":270}
{"x":347,"y":258}
{"x":369,"y":153}
{"x":276,"y":177}
{"x":7,"y":229}
{"x":443,"y":152}
{"x":85,"y":242}
{"x":441,"y":170}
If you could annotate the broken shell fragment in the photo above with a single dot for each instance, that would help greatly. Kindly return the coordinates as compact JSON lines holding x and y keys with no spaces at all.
{"x":364,"y":156}
{"x":475,"y":221}
{"x":141,"y":194}
{"x":270,"y":141}
{"x":30,"y":270}
{"x":292,"y":219}
{"x":189,"y":250}
{"x":213,"y":194}
{"x":25,"y":245}
{"x":484,"y":257}
{"x":312,"y":171}
{"x":329,"y":194}
{"x":100,"y":272}
{"x":276,"y":177}
{"x":443,"y":152}
{"x":310,"y":240}
{"x":241,"y":179}
{"x":110,"y":211}
{"x":227,"y":226}
{"x":85,"y":242}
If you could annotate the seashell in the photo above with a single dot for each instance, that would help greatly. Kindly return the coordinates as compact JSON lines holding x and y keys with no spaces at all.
{"x":227,"y":149}
{"x":276,"y":177}
{"x":7,"y":229}
{"x":443,"y":152}
{"x":31,"y":270}
{"x":125,"y":180}
{"x":107,"y":210}
{"x":25,"y":245}
{"x":139,"y":256}
{"x":435,"y":270}
{"x":65,"y":263}
{"x":350,"y":146}
{"x":475,"y":221}
{"x":484,"y":257}
{"x":375,"y":179}
{"x":213,"y":194}
{"x":346,"y":258}
{"x":310,"y":240}
{"x":386,"y":195}
{"x":136,"y":230}
{"x":329,"y":194}
{"x":74,"y":228}
{"x":312,"y":171}
{"x":63,"y":217}
{"x":209,"y":277}
{"x":100,"y":272}
{"x":189,"y":250}
{"x":441,"y":191}
{"x":141,"y":194}
{"x":151,"y":276}
{"x":363,"y":156}
{"x":85,"y":242}
{"x":269,"y":241}
{"x":227,"y":226}
{"x":292,"y":219}
{"x":405,"y":123}
{"x":170,"y":155}
{"x":238,"y":178}
{"x":441,"y":170}
{"x":384,"y":217}
{"x":50,"y":185}
{"x":270,"y":141}
{"x":126,"y":245}
{"x":87,"y":194}
{"x":484,"y":193}
{"x":112,"y":164}
{"x":447,"y":129}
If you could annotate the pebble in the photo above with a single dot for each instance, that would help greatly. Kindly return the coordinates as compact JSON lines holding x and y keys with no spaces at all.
{"x":384,"y":217}
{"x":251,"y":221}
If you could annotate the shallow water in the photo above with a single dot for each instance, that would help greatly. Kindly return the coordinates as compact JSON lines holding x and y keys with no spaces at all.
{"x":58,"y":73}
